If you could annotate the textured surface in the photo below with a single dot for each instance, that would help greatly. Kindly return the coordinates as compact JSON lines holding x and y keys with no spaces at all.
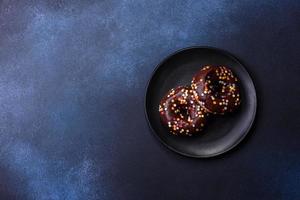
{"x":72,"y":81}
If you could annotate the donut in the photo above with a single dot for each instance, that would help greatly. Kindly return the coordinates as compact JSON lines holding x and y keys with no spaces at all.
{"x":217,"y":89}
{"x":181,"y":113}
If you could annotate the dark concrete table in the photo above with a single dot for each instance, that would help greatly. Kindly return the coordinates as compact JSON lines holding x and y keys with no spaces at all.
{"x":73,"y":77}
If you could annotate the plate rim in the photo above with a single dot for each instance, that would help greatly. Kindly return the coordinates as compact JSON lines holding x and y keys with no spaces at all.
{"x":160,"y":63}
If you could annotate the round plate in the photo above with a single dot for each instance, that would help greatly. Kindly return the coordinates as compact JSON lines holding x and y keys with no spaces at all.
{"x":222,"y":133}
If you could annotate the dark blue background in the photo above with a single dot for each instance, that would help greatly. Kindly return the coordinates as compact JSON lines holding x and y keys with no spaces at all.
{"x":72,"y":82}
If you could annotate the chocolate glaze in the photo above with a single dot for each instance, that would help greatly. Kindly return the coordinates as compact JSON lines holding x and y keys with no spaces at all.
{"x":217,"y":89}
{"x":181,"y":113}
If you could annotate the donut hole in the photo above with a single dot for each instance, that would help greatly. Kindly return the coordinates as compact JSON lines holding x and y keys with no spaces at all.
{"x":215,"y":87}
{"x":182,"y":111}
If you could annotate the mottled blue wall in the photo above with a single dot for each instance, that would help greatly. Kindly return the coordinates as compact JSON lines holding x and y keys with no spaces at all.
{"x":72,"y":82}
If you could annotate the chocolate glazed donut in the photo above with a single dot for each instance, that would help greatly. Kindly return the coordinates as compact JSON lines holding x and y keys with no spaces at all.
{"x":217,"y":89}
{"x":181,"y":113}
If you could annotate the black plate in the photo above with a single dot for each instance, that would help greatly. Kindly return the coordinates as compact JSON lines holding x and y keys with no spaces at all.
{"x":222,"y":133}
